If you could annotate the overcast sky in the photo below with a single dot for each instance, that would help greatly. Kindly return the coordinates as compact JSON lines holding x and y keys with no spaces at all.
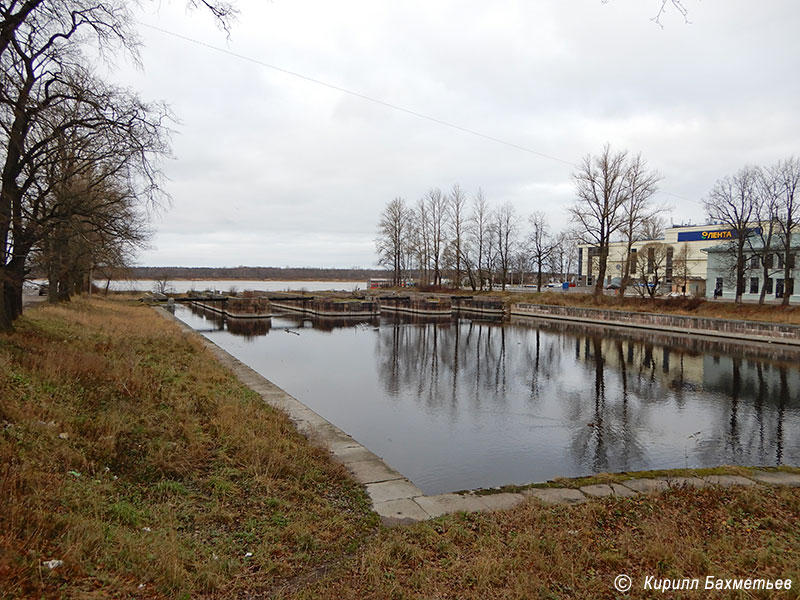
{"x":274,"y":170}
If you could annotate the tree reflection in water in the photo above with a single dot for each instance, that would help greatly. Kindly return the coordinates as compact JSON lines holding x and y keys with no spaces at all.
{"x":458,"y":404}
{"x":631,"y":396}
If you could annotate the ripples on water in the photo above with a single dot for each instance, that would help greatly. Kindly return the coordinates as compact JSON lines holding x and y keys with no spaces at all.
{"x":462,"y":404}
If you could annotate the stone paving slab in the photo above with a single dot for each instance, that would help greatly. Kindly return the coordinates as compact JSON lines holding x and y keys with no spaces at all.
{"x":372,"y":471}
{"x":646,"y":486}
{"x":352,"y":452}
{"x":392,"y":490}
{"x":728,"y":480}
{"x":685,"y":482}
{"x":556,"y":495}
{"x":502,"y":501}
{"x":400,"y":512}
{"x":598,"y":490}
{"x":777,"y":478}
{"x":622,"y":491}
{"x":443,"y":504}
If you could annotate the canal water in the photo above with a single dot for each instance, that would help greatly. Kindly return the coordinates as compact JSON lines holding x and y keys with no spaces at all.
{"x":459,"y":404}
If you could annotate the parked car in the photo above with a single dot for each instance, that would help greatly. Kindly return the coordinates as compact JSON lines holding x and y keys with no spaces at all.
{"x":615,"y":284}
{"x":44,"y":289}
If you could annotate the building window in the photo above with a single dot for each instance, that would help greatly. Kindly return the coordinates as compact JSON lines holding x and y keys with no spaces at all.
{"x":790,"y":286}
{"x":651,"y":259}
{"x":668,"y":273}
{"x":754,"y":261}
{"x":768,"y":285}
{"x":768,"y":260}
{"x":632,"y":262}
{"x":718,"y":287}
{"x":780,"y":261}
{"x":779,"y":288}
{"x":754,"y":285}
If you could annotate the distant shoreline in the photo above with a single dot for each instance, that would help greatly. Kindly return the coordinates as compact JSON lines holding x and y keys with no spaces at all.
{"x":236,"y":279}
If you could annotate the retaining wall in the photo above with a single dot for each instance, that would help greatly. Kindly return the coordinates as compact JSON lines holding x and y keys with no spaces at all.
{"x":743,"y":330}
{"x":239,"y":308}
{"x":325,"y":307}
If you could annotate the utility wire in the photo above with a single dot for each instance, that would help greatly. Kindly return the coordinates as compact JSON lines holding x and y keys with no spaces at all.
{"x":369,"y":98}
{"x":358,"y":95}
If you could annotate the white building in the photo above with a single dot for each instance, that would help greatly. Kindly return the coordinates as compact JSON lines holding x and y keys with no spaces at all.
{"x":721,"y":271}
{"x":684,"y":259}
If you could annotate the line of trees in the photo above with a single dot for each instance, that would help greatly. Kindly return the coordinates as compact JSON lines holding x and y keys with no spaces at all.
{"x":79,"y":156}
{"x":759,"y":204}
{"x":450,"y":238}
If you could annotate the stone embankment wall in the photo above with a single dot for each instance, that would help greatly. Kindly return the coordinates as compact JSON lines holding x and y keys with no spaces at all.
{"x":438,"y":305}
{"x":238,"y":308}
{"x":743,"y":330}
{"x":326,"y":307}
{"x":416,"y":305}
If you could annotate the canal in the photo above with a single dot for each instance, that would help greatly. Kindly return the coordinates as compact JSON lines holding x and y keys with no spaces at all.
{"x":458,"y":404}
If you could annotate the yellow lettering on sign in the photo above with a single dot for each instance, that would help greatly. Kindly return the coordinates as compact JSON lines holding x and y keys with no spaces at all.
{"x":717,"y":235}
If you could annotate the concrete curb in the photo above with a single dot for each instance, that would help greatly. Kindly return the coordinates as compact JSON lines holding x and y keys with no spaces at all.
{"x":398,"y":501}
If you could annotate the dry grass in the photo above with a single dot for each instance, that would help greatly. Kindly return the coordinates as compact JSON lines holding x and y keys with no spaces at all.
{"x":536,"y":551}
{"x":129,"y":453}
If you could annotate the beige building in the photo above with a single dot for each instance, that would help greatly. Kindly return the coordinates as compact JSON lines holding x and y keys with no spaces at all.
{"x":676,"y":260}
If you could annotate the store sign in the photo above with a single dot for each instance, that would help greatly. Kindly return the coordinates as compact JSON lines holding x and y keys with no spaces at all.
{"x":711,"y":235}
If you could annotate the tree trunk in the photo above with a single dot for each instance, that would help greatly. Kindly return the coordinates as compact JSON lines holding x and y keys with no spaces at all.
{"x":788,"y":287}
{"x":539,"y":276}
{"x":602,"y":262}
{"x":763,"y":294}
{"x":5,"y":316}
{"x":15,"y":275}
{"x":740,"y":270}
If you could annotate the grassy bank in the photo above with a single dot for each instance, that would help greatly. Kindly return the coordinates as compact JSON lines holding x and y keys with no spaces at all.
{"x":130,"y":454}
{"x":577,"y":551}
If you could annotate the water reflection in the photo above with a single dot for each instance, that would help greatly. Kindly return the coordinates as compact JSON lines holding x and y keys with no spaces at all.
{"x":459,"y":404}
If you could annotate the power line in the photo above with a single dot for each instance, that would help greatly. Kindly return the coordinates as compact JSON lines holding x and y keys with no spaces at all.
{"x":369,"y":98}
{"x":357,"y":94}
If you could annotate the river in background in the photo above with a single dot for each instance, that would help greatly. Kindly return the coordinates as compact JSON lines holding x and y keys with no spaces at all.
{"x":462,"y":404}
{"x":181,"y":286}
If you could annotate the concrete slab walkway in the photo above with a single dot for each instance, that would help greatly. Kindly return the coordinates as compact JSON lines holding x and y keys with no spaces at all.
{"x":398,"y":501}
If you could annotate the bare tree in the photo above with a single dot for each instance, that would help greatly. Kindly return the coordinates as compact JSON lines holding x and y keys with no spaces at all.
{"x":653,"y":227}
{"x":421,"y":241}
{"x":505,"y":231}
{"x":767,"y":195}
{"x":540,"y":243}
{"x":681,"y":266}
{"x":392,"y":241}
{"x":638,"y":210}
{"x":732,"y":201}
{"x":652,"y":267}
{"x":601,"y":190}
{"x":457,"y":212}
{"x":479,"y":228}
{"x":41,"y":60}
{"x":786,"y":175}
{"x":436,"y":215}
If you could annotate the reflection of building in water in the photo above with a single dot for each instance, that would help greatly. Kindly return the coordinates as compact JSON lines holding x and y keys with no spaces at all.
{"x":741,"y":406}
{"x":673,"y":368}
{"x":734,"y":376}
